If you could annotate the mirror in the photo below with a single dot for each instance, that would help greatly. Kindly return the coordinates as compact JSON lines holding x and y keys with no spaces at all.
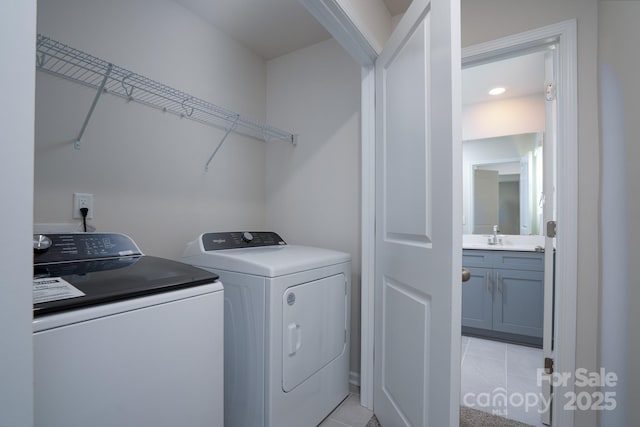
{"x":505,"y":121}
{"x":502,"y":184}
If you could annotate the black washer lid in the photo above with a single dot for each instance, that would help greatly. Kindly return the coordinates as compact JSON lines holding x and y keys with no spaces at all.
{"x":109,"y":280}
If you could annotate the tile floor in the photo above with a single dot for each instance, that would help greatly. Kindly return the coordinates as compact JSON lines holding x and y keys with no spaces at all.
{"x":349,"y":413}
{"x":489,"y":367}
{"x":503,"y":374}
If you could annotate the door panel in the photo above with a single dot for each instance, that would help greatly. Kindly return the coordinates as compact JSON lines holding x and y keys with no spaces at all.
{"x":418,"y":218}
{"x":406,"y":316}
{"x":406,"y":160}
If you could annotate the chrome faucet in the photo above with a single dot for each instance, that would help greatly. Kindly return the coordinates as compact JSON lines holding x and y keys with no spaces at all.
{"x":493,"y":240}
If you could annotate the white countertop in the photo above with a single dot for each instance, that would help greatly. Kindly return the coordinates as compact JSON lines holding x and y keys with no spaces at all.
{"x":507,"y":242}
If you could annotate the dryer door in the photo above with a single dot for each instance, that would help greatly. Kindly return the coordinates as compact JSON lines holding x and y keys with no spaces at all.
{"x":314,"y":326}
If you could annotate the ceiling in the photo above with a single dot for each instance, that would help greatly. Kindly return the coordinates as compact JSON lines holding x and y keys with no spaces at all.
{"x":397,"y":7}
{"x":270,"y":28}
{"x":520,"y":76}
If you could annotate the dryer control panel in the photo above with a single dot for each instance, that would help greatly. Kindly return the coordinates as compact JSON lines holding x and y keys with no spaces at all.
{"x":240,"y":239}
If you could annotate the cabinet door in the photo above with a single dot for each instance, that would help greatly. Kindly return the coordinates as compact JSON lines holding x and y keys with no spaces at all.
{"x":476,"y":298}
{"x":518,"y":302}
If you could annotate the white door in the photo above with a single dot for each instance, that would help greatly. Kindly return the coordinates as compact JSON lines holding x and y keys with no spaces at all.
{"x":485,"y":201}
{"x":419,"y":219}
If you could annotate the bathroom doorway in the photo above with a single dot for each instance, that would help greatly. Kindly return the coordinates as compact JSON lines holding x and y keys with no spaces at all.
{"x":510,"y":116}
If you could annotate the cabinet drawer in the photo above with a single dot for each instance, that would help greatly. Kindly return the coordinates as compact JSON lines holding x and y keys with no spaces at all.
{"x":476,"y":258}
{"x":531,"y":261}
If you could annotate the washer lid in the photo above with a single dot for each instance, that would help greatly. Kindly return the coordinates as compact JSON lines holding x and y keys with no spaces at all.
{"x":267,"y":261}
{"x":108,"y":280}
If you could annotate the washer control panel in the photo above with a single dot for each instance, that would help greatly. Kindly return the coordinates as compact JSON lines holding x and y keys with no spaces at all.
{"x":240,"y":239}
{"x":82,"y":246}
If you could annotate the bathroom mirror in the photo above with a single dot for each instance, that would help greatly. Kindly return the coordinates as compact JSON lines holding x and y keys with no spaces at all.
{"x":502,"y":184}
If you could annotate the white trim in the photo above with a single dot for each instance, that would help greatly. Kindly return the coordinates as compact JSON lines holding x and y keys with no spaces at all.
{"x":18,"y":29}
{"x":368,"y":148}
{"x":336,"y":20}
{"x":567,"y":240}
{"x":565,"y":33}
{"x":516,"y":43}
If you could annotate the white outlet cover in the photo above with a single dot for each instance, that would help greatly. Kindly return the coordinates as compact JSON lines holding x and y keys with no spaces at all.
{"x":80,"y":199}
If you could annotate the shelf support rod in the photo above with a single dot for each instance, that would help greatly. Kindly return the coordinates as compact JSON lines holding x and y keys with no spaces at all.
{"x":229,"y":130}
{"x":93,"y":106}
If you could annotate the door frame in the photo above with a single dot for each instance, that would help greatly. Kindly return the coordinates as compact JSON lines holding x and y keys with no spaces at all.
{"x":337,"y":21}
{"x":565,"y":34}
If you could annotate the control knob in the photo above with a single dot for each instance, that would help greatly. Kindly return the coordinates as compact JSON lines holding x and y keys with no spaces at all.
{"x":41,"y":243}
{"x":247,"y":237}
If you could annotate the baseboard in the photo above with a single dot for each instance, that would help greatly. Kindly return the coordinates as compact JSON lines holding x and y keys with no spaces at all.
{"x":354,"y":378}
{"x":503,"y":336}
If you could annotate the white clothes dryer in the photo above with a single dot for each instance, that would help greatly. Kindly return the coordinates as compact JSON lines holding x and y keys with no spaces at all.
{"x":286,"y":327}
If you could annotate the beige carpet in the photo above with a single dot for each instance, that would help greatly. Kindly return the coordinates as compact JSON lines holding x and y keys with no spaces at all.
{"x":470,"y":417}
{"x":373,"y":422}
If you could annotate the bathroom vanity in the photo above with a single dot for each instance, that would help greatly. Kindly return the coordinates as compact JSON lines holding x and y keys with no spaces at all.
{"x":504,"y":297}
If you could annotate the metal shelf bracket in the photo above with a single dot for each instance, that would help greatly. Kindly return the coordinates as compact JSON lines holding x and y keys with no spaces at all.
{"x":93,"y":106}
{"x":224,"y":138}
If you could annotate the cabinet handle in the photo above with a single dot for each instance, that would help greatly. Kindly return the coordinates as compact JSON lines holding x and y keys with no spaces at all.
{"x":466,"y":274}
{"x":499,"y":282}
{"x":487,"y":278}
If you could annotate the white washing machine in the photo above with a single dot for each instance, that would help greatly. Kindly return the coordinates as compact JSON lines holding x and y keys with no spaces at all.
{"x":286,"y":336}
{"x":123,"y":339}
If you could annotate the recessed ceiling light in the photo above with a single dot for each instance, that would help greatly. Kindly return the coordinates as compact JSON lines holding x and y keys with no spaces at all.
{"x":497,"y":91}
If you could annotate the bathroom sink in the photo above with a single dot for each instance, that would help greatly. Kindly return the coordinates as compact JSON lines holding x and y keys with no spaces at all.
{"x":507,"y":243}
{"x":518,"y":248}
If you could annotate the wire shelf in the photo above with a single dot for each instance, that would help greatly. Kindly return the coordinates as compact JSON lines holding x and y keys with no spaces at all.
{"x":58,"y":59}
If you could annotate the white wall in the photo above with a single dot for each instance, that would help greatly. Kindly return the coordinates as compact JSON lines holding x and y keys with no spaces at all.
{"x":507,"y":117}
{"x":313,"y":190}
{"x":490,"y":19}
{"x":145,"y":168}
{"x":620,"y":205}
{"x":17,"y":30}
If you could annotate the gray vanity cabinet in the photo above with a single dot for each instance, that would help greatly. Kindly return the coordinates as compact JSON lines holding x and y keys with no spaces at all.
{"x":504,"y":297}
{"x":477,"y":299}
